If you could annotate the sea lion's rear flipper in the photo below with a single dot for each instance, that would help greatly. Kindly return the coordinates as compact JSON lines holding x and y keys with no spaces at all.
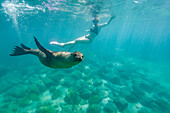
{"x":25,"y":47}
{"x":41,"y":48}
{"x":19,"y":51}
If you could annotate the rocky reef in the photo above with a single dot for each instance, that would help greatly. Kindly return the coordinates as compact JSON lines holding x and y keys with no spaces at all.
{"x":114,"y":86}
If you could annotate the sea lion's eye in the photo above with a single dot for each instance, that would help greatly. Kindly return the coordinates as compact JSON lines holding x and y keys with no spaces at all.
{"x":75,"y":54}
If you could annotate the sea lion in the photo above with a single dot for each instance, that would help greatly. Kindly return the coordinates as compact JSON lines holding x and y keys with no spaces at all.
{"x":61,"y":59}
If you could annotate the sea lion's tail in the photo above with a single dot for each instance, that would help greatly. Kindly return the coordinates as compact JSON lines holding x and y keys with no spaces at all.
{"x":20,"y":51}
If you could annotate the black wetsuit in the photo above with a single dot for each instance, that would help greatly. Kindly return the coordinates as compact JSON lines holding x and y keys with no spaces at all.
{"x":94,"y":30}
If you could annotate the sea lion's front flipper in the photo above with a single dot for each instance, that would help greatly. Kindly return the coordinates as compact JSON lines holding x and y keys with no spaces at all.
{"x":41,"y":48}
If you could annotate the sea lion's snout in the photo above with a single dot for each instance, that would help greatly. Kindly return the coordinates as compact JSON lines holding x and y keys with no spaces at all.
{"x":77,"y":56}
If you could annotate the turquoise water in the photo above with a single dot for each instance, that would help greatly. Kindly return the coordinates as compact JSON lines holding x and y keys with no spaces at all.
{"x":125,"y":70}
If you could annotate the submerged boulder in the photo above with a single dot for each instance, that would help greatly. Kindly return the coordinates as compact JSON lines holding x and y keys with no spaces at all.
{"x":76,"y":75}
{"x":116,"y":80}
{"x":18,"y":91}
{"x":66,"y":108}
{"x":33,"y":96}
{"x":125,"y":75}
{"x":121,"y":103}
{"x":41,"y":86}
{"x":146,"y":86}
{"x":56,"y":94}
{"x":68,"y":82}
{"x":125,"y":91}
{"x":72,"y":97}
{"x":165,"y":94}
{"x":128,"y":95}
{"x":144,"y":110}
{"x":2,"y":110}
{"x":131,"y":98}
{"x":83,"y":102}
{"x":6,"y":86}
{"x":71,"y":109}
{"x":25,"y":102}
{"x":110,"y":108}
{"x":129,"y":110}
{"x":48,"y":82}
{"x":97,"y":82}
{"x":149,"y":101}
{"x":95,"y":108}
{"x":34,"y":89}
{"x":95,"y":99}
{"x":85,"y":93}
{"x":112,"y":87}
{"x":137,"y":91}
{"x":56,"y":76}
{"x":99,"y":91}
{"x":10,"y":107}
{"x":146,"y":101}
{"x":163,"y":104}
{"x":46,"y":109}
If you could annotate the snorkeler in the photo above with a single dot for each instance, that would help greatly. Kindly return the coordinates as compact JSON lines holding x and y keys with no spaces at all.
{"x":94,"y":31}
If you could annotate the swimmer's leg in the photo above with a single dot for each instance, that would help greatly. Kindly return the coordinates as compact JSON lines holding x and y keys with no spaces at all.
{"x":63,"y":44}
{"x":81,"y":40}
{"x":56,"y":43}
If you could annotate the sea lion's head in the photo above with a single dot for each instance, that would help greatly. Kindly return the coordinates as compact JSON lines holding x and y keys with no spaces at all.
{"x":77,"y":56}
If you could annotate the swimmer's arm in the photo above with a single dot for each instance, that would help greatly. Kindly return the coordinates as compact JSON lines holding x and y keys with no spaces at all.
{"x":107,"y":23}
